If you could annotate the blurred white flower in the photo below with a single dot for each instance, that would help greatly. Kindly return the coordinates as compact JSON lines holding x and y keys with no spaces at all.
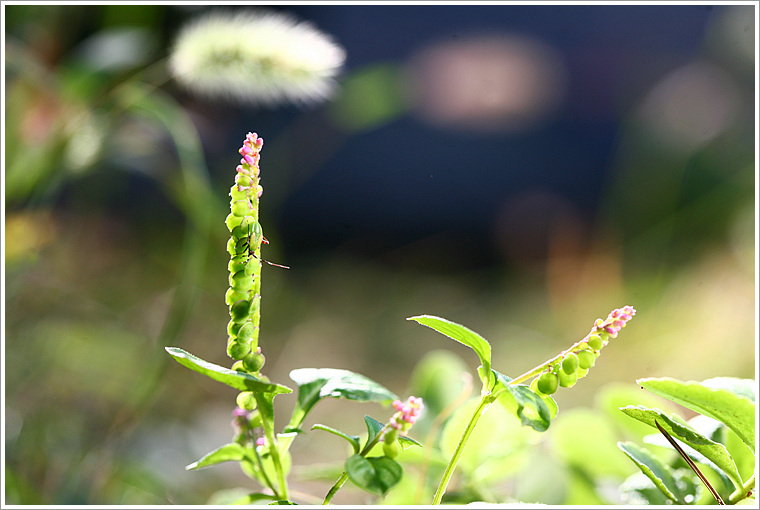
{"x":256,"y":56}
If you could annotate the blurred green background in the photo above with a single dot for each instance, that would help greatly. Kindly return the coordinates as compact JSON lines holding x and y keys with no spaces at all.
{"x":629,"y":180}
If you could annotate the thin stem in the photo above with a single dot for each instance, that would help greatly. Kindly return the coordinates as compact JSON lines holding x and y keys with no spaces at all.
{"x":690,"y":463}
{"x":435,"y":426}
{"x":577,"y":346}
{"x":263,"y":471}
{"x":335,"y":488}
{"x":485,"y":401}
{"x":742,"y":492}
{"x":337,"y":485}
{"x":281,"y":481}
{"x":266,"y":409}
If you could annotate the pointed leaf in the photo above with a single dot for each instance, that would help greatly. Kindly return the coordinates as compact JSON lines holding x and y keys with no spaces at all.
{"x":238,"y":380}
{"x":740,"y":387}
{"x":376,"y":474}
{"x":373,"y":428}
{"x":315,"y":384}
{"x":656,"y":470}
{"x":464,"y":336}
{"x":357,"y":387}
{"x":638,"y":489}
{"x":738,"y":413}
{"x":674,"y":425}
{"x":524,"y":402}
{"x":406,"y":442}
{"x":354,"y":440}
{"x":231,"y":451}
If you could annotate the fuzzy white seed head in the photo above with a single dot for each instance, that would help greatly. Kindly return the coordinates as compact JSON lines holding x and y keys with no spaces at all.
{"x":257,"y":57}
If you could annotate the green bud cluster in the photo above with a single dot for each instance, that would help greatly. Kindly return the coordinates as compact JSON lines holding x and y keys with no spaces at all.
{"x":244,"y":246}
{"x":573,"y":364}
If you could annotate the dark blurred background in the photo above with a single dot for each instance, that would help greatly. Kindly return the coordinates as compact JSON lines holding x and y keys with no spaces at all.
{"x":521,"y":170}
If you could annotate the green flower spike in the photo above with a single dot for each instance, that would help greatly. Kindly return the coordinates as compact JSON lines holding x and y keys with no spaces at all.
{"x":244,"y":247}
{"x":574,"y":363}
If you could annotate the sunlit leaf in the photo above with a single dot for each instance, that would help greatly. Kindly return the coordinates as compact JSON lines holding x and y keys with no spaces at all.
{"x":464,"y":336}
{"x":231,"y":451}
{"x":373,"y":428}
{"x":317,"y":383}
{"x":353,"y":440}
{"x":737,"y":412}
{"x":238,"y":380}
{"x":673,"y":425}
{"x":656,"y":470}
{"x":524,"y":402}
{"x":740,"y":387}
{"x":406,"y":442}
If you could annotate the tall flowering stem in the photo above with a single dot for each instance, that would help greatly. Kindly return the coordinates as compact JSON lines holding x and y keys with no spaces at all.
{"x":244,"y":294}
{"x":563,"y":370}
{"x":597,"y":338}
{"x":244,"y":247}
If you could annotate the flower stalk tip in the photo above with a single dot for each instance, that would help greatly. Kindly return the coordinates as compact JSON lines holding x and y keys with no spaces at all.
{"x":407,"y":413}
{"x":616,"y":320}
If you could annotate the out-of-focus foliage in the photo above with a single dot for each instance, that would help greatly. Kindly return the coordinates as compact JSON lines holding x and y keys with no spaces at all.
{"x":115,"y":186}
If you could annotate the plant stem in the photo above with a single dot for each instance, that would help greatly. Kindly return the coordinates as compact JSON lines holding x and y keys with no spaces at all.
{"x":335,"y":488}
{"x":337,"y":485}
{"x":577,"y":346}
{"x":263,"y":471}
{"x":281,"y":481}
{"x":434,"y":427}
{"x":266,"y":408}
{"x":742,"y":492}
{"x":485,"y":401}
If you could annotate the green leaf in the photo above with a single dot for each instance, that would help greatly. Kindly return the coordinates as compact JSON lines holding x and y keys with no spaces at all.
{"x":675,"y":426}
{"x":738,"y":413}
{"x":406,"y":442}
{"x":231,"y":451}
{"x":524,"y":402}
{"x":656,"y":470}
{"x":354,"y":440}
{"x":639,"y":490}
{"x":464,"y":336}
{"x":315,"y":384}
{"x":238,"y":380}
{"x":376,"y":474}
{"x":282,"y":502}
{"x":357,"y":387}
{"x":739,"y":387}
{"x":373,"y":428}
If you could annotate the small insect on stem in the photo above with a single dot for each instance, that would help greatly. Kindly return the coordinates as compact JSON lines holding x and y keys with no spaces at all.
{"x":263,"y":241}
{"x":690,"y":463}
